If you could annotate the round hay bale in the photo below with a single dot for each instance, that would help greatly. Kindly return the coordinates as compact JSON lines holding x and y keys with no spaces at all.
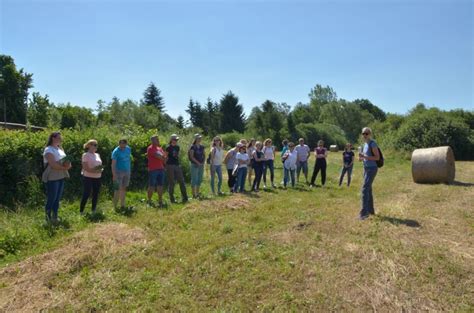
{"x":333,"y":148}
{"x":433,"y":165}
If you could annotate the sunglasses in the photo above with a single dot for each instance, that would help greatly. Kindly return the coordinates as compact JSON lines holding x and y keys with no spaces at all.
{"x":93,"y":144}
{"x":365,"y":134}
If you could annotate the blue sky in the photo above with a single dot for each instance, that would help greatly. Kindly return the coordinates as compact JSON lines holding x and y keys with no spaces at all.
{"x":395,"y":53}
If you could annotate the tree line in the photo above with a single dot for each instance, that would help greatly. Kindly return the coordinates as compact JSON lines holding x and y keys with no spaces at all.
{"x":324,"y":116}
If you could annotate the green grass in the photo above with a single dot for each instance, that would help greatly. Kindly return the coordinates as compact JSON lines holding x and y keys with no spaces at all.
{"x":283,"y":250}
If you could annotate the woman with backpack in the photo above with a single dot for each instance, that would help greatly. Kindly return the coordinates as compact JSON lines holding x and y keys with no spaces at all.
{"x":370,"y":155}
{"x":215,"y":163}
{"x":197,"y":157}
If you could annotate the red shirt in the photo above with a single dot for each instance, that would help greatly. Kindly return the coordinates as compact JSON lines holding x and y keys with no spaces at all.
{"x":153,"y":162}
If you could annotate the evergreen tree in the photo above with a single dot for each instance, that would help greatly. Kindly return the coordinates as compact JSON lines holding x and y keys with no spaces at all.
{"x":180,"y":122}
{"x":152,"y":97}
{"x":232,"y":116}
{"x":196,"y":114}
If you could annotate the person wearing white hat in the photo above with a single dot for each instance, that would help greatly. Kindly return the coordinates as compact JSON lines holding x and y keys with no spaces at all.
{"x":173,"y":169}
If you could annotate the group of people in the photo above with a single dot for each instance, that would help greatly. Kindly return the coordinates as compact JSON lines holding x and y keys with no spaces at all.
{"x":247,"y":161}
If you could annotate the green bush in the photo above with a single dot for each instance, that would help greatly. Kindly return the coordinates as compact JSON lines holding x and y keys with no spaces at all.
{"x":312,"y":133}
{"x":230,"y":139}
{"x":432,"y":128}
{"x":21,"y":161}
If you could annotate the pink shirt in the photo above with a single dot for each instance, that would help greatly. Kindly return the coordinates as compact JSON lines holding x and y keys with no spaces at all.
{"x":92,"y":160}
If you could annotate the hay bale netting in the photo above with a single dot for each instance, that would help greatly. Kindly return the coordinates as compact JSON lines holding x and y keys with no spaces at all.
{"x":433,"y":165}
{"x":333,"y":148}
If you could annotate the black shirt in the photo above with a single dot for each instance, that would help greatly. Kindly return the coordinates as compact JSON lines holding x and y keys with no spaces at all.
{"x":173,"y":155}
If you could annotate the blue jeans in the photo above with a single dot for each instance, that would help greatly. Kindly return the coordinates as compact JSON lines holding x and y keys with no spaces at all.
{"x":302,"y":165}
{"x":268,"y":164}
{"x":241,"y":177}
{"x":54,"y":192}
{"x":289,"y":174}
{"x":367,"y":203}
{"x":345,"y":170}
{"x":196,"y":175}
{"x":216,"y":169}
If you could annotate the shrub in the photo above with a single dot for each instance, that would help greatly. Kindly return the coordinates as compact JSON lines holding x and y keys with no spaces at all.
{"x":21,"y":161}
{"x":312,"y":133}
{"x":432,"y":128}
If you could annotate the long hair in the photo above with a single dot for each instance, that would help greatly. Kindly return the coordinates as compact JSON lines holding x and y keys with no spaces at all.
{"x":266,"y":141}
{"x":50,"y":138}
{"x":213,"y":144}
{"x":251,"y":142}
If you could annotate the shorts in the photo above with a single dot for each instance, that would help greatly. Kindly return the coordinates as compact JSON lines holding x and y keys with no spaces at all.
{"x":156,"y":178}
{"x":123,"y":178}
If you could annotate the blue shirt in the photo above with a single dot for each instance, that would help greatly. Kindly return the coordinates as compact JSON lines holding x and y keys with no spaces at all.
{"x":122,"y":158}
{"x":368,"y":151}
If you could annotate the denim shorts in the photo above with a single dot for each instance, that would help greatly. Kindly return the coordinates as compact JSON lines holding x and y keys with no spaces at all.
{"x":156,"y":178}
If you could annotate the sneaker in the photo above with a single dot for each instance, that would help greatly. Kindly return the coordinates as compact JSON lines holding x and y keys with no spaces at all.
{"x":274,"y":186}
{"x":363,"y":217}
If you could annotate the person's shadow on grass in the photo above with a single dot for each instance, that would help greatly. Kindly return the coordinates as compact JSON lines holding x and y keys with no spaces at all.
{"x":462,"y":184}
{"x":399,"y":221}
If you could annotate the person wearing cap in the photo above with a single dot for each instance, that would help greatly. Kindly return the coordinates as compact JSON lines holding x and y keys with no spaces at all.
{"x":156,"y":170}
{"x":230,"y":161}
{"x":242,"y":159}
{"x":197,"y":157}
{"x":216,"y":157}
{"x":92,"y":173}
{"x":174,"y":171}
{"x":121,"y":168}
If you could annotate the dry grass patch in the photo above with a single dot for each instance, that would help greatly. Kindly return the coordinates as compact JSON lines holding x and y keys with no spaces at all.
{"x":29,"y":285}
{"x":234,"y":202}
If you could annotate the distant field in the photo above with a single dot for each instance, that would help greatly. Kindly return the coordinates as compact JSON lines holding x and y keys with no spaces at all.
{"x":282,"y":250}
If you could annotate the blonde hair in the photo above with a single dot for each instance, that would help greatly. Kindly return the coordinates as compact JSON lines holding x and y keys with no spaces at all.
{"x":88,"y":143}
{"x":213,"y":144}
{"x":258,"y":143}
{"x":367,"y":129}
{"x":266,"y":141}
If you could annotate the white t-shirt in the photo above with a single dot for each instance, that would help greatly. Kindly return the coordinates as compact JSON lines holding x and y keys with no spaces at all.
{"x":93,"y":160}
{"x":243,"y":157}
{"x":268,"y":152}
{"x":303,"y":152}
{"x":290,"y":162}
{"x":250,"y":151}
{"x":58,"y":153}
{"x":218,"y":153}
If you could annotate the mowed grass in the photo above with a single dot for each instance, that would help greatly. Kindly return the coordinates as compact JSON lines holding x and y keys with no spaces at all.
{"x":278,"y":250}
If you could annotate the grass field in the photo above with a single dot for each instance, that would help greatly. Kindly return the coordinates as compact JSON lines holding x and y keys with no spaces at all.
{"x":277,"y":250}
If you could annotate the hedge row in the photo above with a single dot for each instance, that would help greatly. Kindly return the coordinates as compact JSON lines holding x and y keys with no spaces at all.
{"x":21,"y":160}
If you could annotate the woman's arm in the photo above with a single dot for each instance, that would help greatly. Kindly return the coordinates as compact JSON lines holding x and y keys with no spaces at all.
{"x":56,"y":165}
{"x":191,"y":156}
